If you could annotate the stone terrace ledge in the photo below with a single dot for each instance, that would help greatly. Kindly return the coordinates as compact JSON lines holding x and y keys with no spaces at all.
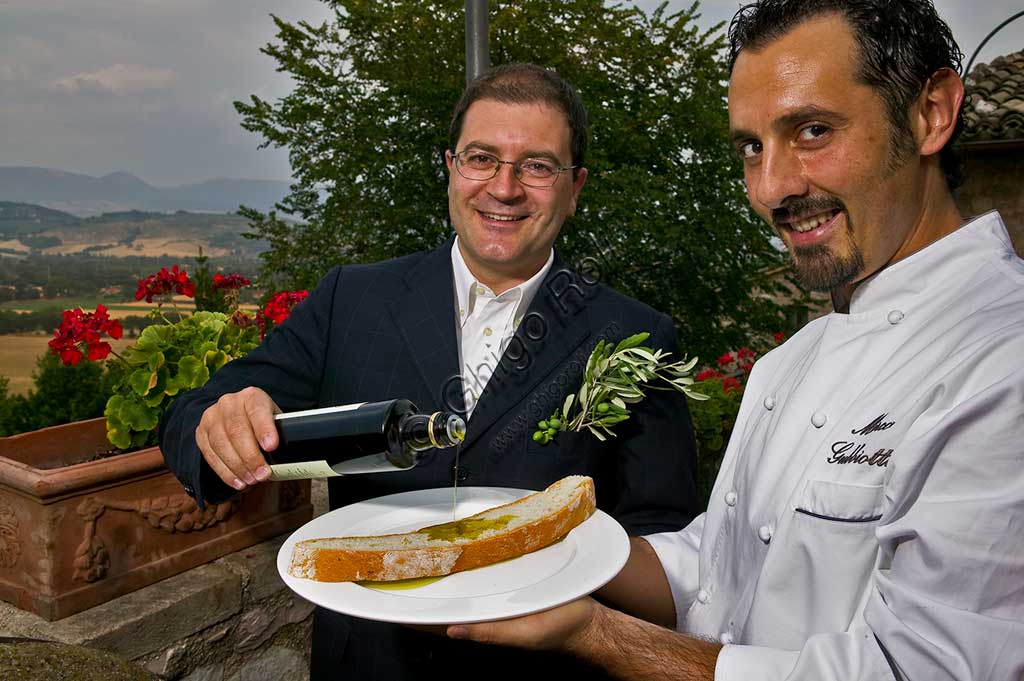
{"x":229,"y":620}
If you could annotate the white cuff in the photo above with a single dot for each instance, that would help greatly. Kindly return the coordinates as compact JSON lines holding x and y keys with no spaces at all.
{"x":679,"y":554}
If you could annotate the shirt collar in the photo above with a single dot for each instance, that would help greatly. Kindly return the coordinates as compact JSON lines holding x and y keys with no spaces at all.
{"x":466,"y":284}
{"x":982,"y":240}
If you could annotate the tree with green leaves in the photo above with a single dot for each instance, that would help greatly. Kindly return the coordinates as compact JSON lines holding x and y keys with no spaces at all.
{"x":61,"y":394}
{"x":663,"y":216}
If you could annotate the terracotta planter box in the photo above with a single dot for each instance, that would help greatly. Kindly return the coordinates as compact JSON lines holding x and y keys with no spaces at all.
{"x":73,"y":535}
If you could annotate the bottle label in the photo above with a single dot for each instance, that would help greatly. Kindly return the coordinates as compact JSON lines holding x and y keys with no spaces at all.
{"x":301,"y":471}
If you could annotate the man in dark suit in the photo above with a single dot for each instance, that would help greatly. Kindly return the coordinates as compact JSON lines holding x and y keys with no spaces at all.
{"x":492,"y":324}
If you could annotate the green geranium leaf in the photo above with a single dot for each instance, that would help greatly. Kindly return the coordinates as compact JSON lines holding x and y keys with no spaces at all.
{"x":156,"y":360}
{"x":201,"y":377}
{"x":168,"y":359}
{"x":139,"y":416}
{"x":125,"y":417}
{"x":118,"y":432}
{"x":189,"y":371}
{"x":154,"y":338}
{"x":142,"y":380}
{"x":158,"y":391}
{"x":215,"y":359}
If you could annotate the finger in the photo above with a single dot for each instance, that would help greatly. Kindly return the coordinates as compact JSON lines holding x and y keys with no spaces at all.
{"x":235,"y":441}
{"x":214,"y":459}
{"x":259,"y":433}
{"x":551,"y":629}
{"x":260,"y":410}
{"x":518,"y":632}
{"x":231,"y":440}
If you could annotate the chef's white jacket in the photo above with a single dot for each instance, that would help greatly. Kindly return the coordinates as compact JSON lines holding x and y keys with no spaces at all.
{"x":868,"y":518}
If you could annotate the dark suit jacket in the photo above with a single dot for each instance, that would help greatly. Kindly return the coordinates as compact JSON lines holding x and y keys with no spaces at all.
{"x":387,"y":330}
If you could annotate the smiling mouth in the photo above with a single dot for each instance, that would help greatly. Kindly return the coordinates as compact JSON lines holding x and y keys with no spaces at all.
{"x":811,"y":222}
{"x":497,"y":217}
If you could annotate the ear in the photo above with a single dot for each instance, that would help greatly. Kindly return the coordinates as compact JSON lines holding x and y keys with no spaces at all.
{"x":577,"y":185}
{"x":448,"y":159}
{"x":936,"y":111}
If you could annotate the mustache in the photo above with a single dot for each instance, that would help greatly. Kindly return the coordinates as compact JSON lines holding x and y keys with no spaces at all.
{"x":802,"y":207}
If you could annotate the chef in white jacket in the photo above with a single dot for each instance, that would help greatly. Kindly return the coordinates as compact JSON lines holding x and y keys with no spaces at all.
{"x":868,"y":518}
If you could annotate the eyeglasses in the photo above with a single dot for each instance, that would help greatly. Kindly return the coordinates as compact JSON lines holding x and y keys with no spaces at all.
{"x":474,"y":164}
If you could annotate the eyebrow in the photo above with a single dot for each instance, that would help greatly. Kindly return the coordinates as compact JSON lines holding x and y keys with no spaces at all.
{"x":792,"y":119}
{"x":806,"y":113}
{"x":528,"y":154}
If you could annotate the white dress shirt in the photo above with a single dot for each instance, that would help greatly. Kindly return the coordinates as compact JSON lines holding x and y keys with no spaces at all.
{"x":487,"y":322}
{"x":868,"y":518}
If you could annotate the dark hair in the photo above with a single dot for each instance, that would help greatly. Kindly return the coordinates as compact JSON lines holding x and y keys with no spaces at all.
{"x":902,"y":43}
{"x":526,"y":84}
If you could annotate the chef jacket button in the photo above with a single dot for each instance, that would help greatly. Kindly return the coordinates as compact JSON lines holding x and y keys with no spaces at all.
{"x":818,"y":419}
{"x":463,"y":474}
{"x":764,"y":533}
{"x":895,"y":317}
{"x":726,"y":638}
{"x":730,"y":498}
{"x":769,"y":403}
{"x":703,"y":596}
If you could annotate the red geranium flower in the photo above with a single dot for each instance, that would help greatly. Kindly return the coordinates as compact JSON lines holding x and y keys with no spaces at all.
{"x":730,"y":384}
{"x":78,"y":328}
{"x":708,"y":374}
{"x":779,"y":336}
{"x":278,"y":308}
{"x":745,"y":353}
{"x":165,"y":281}
{"x":229,"y":282}
{"x":727,"y":358}
{"x":748,"y":367}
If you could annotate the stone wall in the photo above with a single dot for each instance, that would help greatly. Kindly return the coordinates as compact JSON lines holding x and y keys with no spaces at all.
{"x":230,"y":620}
{"x":995,"y":180}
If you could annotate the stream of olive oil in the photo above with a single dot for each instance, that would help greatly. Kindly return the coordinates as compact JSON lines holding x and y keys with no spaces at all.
{"x":455,"y":486}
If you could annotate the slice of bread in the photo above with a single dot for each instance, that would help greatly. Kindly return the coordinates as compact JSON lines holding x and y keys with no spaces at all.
{"x":533,"y":522}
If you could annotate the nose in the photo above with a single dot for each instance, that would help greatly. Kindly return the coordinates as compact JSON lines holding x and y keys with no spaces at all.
{"x":780,"y":176}
{"x":505,"y":186}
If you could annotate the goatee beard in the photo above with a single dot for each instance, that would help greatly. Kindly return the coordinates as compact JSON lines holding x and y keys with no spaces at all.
{"x":819,"y":269}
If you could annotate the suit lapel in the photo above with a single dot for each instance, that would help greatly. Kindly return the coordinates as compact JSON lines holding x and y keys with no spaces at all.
{"x":554,"y":326}
{"x":426,"y":319}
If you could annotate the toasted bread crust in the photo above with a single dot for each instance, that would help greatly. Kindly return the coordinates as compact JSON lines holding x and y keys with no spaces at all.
{"x":311,"y":559}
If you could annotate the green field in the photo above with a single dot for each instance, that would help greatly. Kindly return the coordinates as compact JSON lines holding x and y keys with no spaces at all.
{"x":36,"y":304}
{"x":117,"y":307}
{"x":18,"y":355}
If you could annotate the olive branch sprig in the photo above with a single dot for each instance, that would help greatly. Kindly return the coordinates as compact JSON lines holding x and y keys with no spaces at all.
{"x":614,"y":378}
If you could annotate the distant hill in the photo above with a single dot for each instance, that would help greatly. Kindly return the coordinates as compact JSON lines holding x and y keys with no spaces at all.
{"x":25,"y":218}
{"x":27,"y":228}
{"x":84,"y":195}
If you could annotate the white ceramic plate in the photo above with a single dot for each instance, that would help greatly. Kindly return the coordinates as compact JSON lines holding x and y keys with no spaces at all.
{"x":585,"y":560}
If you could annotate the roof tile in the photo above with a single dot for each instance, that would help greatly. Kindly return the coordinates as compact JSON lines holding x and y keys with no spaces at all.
{"x":995,"y":105}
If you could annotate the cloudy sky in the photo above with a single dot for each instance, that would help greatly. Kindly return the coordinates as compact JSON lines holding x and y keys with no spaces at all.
{"x":146,"y":86}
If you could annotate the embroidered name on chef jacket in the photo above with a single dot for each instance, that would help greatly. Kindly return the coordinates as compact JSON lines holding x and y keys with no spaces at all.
{"x":858,"y":451}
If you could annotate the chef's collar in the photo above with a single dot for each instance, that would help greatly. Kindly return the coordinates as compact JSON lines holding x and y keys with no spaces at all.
{"x":981,"y":240}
